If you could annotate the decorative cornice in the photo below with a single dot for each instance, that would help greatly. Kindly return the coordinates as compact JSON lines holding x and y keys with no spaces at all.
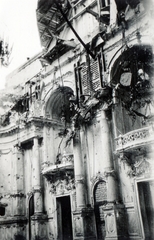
{"x":37,"y":122}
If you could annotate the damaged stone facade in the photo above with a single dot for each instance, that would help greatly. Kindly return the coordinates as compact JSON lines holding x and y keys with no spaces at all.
{"x":76,"y":133}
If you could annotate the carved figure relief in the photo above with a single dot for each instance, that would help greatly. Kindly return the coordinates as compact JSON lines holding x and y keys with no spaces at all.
{"x":62,"y":186}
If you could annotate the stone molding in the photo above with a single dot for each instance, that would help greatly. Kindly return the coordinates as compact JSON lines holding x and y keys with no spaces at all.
{"x":37,"y":122}
{"x":13,"y":220}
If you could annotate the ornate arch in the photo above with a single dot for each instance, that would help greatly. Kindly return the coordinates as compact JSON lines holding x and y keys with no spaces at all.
{"x":99,"y":177}
{"x":99,"y":191}
{"x":135,"y":42}
{"x":57,"y":102}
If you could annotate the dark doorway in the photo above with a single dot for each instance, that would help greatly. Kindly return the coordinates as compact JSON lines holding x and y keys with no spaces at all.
{"x":100,"y":197}
{"x":64,"y":218}
{"x":146,"y":201}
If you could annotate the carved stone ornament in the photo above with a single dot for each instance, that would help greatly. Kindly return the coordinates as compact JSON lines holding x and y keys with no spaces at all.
{"x":38,"y":190}
{"x":110,"y":223}
{"x":62,"y":186}
{"x":78,"y":227}
{"x":110,"y":173}
{"x":98,"y":177}
{"x":36,"y":108}
{"x":139,"y":168}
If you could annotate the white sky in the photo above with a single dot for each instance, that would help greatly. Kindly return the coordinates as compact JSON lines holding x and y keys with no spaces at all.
{"x":18,"y":21}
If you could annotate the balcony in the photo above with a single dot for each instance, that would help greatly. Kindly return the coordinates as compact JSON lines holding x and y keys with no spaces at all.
{"x":67,"y":163}
{"x":134,"y":139}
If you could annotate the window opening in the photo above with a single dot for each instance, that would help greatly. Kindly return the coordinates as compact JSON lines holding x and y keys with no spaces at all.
{"x":2,"y":211}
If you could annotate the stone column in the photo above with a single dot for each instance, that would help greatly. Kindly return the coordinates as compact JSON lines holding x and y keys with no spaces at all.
{"x":79,"y":170}
{"x":113,"y":211}
{"x":107,"y":160}
{"x":38,"y":220}
{"x":83,"y":216}
{"x":38,"y":205}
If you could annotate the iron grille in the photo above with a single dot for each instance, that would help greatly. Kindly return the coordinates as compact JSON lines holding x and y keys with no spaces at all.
{"x":90,"y":77}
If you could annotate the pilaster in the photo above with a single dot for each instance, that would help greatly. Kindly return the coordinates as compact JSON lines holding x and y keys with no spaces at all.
{"x":18,"y":196}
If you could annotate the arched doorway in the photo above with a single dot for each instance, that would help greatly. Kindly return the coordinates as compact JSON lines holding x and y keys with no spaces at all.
{"x":100,"y":198}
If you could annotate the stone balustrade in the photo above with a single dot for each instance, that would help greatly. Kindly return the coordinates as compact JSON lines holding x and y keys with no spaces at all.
{"x":67,"y":162}
{"x":134,"y":139}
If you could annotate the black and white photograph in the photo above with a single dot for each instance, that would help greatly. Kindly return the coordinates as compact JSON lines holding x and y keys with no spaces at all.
{"x":76,"y":119}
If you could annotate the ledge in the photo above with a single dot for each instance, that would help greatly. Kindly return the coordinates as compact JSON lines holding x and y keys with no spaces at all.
{"x":13,"y":220}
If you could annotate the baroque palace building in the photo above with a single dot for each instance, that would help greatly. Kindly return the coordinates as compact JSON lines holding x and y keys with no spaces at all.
{"x":76,"y":126}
